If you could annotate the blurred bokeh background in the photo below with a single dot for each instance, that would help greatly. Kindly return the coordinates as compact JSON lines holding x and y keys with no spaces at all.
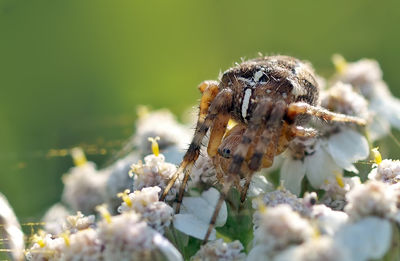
{"x":73,"y":72}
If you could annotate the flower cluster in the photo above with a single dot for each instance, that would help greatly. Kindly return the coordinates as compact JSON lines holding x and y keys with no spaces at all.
{"x":330,"y":215}
{"x":157,"y":215}
{"x":121,"y":237}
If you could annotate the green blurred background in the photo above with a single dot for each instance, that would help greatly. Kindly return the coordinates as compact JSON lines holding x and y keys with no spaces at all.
{"x":72,"y":72}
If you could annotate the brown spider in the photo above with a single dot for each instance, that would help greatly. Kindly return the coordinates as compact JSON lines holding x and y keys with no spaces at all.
{"x":270,"y":98}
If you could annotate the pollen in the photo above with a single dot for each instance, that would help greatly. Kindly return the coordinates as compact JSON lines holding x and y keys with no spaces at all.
{"x":154,"y":145}
{"x":39,"y":239}
{"x":125,"y":197}
{"x":65,"y":236}
{"x":78,"y":156}
{"x":339,"y":179}
{"x":340,"y":63}
{"x":377,"y":155}
{"x":102,"y":209}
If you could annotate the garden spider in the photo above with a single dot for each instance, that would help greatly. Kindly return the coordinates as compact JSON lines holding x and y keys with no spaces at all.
{"x":270,"y":98}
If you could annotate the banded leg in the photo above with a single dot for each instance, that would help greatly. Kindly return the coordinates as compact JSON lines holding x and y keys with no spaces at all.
{"x":260,"y":113}
{"x":220,"y":105}
{"x":209,"y":90}
{"x":266,"y":147}
{"x":228,"y":184}
{"x":297,"y":108}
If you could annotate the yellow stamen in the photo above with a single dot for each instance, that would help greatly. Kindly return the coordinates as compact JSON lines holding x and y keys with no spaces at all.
{"x":377,"y":155}
{"x":340,"y":63}
{"x":316,"y":231}
{"x":125,"y":197}
{"x":339,"y":179}
{"x":102,"y":209}
{"x":65,"y":236}
{"x":39,"y":239}
{"x":154,"y":145}
{"x":78,"y":156}
{"x":262,"y":208}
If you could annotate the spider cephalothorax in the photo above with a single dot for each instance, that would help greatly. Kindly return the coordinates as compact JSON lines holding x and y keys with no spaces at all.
{"x":270,"y":98}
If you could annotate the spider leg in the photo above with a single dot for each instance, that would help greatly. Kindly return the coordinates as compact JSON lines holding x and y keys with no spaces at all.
{"x":298,"y":131}
{"x":220,"y":105}
{"x":266,"y":147}
{"x":297,"y":108}
{"x":222,"y":196}
{"x":262,"y":110}
{"x":209,"y":90}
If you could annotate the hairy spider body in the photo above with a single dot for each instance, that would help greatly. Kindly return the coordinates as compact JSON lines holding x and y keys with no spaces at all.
{"x":270,"y":98}
{"x":274,"y":77}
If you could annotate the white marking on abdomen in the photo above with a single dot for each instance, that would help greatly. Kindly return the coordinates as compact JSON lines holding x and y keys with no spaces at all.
{"x":245,"y":102}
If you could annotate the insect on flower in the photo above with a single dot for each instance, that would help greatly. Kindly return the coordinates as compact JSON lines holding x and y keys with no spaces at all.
{"x":271,"y":98}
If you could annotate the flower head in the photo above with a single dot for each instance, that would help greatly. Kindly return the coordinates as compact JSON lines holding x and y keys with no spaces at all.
{"x":155,"y":172}
{"x":374,"y":198}
{"x":219,"y":250}
{"x":157,"y":215}
{"x":281,"y":227}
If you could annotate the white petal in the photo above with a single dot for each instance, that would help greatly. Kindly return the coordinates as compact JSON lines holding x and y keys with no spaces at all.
{"x":369,"y":238}
{"x":258,"y":253}
{"x":10,"y":230}
{"x":258,"y":185}
{"x":169,"y":250}
{"x":192,"y":226}
{"x":379,"y":128}
{"x":387,"y":107}
{"x":329,"y":220}
{"x":292,"y":173}
{"x":203,"y":207}
{"x":320,"y":167}
{"x":347,"y":147}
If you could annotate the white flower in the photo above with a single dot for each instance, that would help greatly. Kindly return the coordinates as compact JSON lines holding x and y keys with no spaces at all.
{"x":161,"y":123}
{"x":157,"y":215}
{"x":367,"y":239}
{"x":11,"y":234}
{"x":321,"y":248}
{"x":119,"y":179}
{"x":54,"y":218}
{"x":83,"y":245}
{"x":219,"y":250}
{"x":258,"y":185}
{"x":196,"y":213}
{"x":321,"y":159}
{"x":46,"y":247}
{"x":336,"y":189}
{"x":84,"y":187}
{"x":281,"y":227}
{"x":328,"y":220}
{"x":78,"y":222}
{"x":155,"y":172}
{"x":374,"y":198}
{"x":275,"y":198}
{"x":341,"y":98}
{"x":365,"y":76}
{"x":126,"y":238}
{"x":203,"y":172}
{"x":387,"y":171}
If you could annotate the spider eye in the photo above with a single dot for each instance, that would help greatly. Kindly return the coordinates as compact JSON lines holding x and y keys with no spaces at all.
{"x":225,"y":152}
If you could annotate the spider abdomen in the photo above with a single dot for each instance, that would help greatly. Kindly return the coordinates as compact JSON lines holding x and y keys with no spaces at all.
{"x":272,"y":77}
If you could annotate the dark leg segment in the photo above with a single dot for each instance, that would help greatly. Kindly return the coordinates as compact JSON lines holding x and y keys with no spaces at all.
{"x":221,"y":104}
{"x":265,"y":149}
{"x":260,"y":113}
{"x":209,"y":90}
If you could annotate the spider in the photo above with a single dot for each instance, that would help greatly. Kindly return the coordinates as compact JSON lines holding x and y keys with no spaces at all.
{"x":271,"y":98}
